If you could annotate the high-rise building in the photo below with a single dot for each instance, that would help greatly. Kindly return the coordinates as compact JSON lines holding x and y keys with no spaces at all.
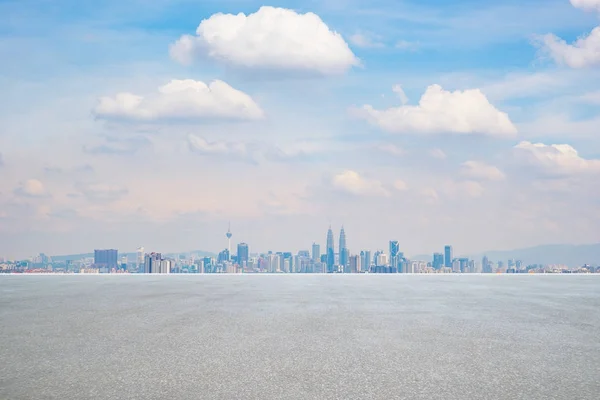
{"x":464,"y":265}
{"x":355,"y":264}
{"x":155,"y":264}
{"x":394,"y":252}
{"x":316,"y":252}
{"x":486,"y":266}
{"x":438,"y":261}
{"x":448,"y":256}
{"x":106,"y":259}
{"x":330,"y":251}
{"x":366,"y":259}
{"x":242,"y":254}
{"x":343,"y":249}
{"x":140,"y":258}
{"x":382,"y":259}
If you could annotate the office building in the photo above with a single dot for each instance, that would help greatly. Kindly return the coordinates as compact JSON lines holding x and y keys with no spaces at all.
{"x":448,"y":256}
{"x":330,"y":251}
{"x":438,"y":261}
{"x":242,"y":254}
{"x":394,"y":251}
{"x":343,"y":250}
{"x":106,"y":260}
{"x":316,"y":252}
{"x":155,"y":264}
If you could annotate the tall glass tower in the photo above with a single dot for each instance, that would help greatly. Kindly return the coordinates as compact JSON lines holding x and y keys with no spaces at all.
{"x":343,"y":249}
{"x":330,"y":251}
{"x":448,"y":256}
{"x":394,"y":252}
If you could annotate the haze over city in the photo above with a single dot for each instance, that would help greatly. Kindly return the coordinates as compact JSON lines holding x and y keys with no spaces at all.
{"x":150,"y":123}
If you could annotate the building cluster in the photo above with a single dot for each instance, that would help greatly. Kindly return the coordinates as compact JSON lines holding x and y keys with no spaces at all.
{"x":329,"y":260}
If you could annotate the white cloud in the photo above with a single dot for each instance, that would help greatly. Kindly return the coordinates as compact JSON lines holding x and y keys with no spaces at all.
{"x":588,"y":5}
{"x":400,"y":185}
{"x":481,"y":171}
{"x":430,"y":194}
{"x":556,"y":159}
{"x":202,"y":146}
{"x":391,"y":149}
{"x":583,"y":53}
{"x":461,"y":188}
{"x":101,"y":192}
{"x":31,"y":188}
{"x":181,"y":100}
{"x":365,"y":40}
{"x":271,"y":38}
{"x":351,"y":182}
{"x":589,"y":98}
{"x":438,"y":153}
{"x":405,"y":45}
{"x":441,"y":111}
{"x":400,"y":93}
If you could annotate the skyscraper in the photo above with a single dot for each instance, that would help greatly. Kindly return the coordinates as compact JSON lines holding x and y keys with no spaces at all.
{"x":343,"y":249}
{"x":438,"y":261}
{"x":106,"y":259}
{"x":140,"y":259}
{"x":242,"y":253}
{"x":154,"y":264}
{"x":330,"y":251}
{"x":394,"y":252}
{"x":316,"y":252}
{"x":448,"y":256}
{"x":365,"y":260}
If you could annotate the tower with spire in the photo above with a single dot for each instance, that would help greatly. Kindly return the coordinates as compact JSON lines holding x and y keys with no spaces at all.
{"x":229,"y":235}
{"x":330,"y":251}
{"x":343,"y":249}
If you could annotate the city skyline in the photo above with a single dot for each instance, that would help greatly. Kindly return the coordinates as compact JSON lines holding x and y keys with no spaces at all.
{"x":344,"y":260}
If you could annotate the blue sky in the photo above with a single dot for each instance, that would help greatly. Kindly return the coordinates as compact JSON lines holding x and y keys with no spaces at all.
{"x":503,"y":152}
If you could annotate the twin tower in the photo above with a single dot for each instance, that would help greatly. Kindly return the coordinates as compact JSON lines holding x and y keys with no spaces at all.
{"x":343,"y":253}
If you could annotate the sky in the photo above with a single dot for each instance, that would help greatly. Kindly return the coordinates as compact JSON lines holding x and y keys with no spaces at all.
{"x":157,"y":123}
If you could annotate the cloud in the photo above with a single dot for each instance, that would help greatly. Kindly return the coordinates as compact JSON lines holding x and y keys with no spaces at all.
{"x":400,"y":185}
{"x":271,"y":38}
{"x":481,"y":171}
{"x":556,"y":159}
{"x":202,"y":146}
{"x":181,"y":100}
{"x":583,"y":53}
{"x":366,"y":40}
{"x":303,"y":150}
{"x":438,"y":153}
{"x":441,"y":111}
{"x":461,"y":188}
{"x":31,"y":188}
{"x":119,"y":146}
{"x":351,"y":182}
{"x":430,"y":195}
{"x":400,"y":93}
{"x":588,"y":5}
{"x":103,"y":193}
{"x":405,"y":45}
{"x":391,"y":149}
{"x":1,"y":160}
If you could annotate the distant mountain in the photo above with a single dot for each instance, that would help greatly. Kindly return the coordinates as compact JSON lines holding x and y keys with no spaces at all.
{"x":564,"y":254}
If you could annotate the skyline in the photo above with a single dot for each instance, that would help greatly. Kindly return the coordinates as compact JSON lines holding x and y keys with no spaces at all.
{"x":443,"y":255}
{"x":426,"y":122}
